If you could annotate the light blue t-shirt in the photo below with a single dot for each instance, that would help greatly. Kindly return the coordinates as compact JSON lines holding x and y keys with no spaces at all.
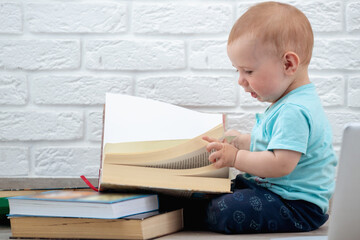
{"x":298,"y":122}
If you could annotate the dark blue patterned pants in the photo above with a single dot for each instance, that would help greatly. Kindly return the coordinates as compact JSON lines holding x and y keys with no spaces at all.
{"x":254,"y":209}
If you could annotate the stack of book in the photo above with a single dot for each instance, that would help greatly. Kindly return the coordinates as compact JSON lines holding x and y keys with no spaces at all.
{"x":148,"y":146}
{"x":90,"y":215}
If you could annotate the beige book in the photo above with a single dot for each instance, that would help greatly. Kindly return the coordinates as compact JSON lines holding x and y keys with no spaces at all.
{"x":135,"y":227}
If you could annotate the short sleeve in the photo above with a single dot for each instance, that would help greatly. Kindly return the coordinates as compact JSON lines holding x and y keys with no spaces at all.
{"x":290,"y":129}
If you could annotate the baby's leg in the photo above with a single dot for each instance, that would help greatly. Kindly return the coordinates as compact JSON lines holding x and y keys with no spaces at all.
{"x":255,"y":209}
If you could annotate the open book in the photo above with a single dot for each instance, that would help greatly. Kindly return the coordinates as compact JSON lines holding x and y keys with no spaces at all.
{"x":151,"y":145}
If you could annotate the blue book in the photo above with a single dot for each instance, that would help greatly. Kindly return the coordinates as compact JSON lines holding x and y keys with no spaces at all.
{"x":82,"y":204}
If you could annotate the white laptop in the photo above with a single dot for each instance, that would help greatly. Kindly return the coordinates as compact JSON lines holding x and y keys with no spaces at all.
{"x":345,"y":211}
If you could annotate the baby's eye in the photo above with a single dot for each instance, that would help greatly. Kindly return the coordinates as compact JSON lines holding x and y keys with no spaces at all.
{"x":249,"y":72}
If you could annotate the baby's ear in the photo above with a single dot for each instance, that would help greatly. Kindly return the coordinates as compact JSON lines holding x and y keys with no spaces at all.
{"x":291,"y":62}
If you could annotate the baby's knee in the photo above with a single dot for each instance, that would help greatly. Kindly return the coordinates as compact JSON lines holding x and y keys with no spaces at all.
{"x":219,"y":218}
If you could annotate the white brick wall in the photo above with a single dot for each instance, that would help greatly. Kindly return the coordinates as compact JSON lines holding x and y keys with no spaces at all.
{"x":58,"y":58}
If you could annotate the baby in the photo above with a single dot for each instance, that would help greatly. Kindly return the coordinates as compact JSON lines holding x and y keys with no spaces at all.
{"x":288,"y":162}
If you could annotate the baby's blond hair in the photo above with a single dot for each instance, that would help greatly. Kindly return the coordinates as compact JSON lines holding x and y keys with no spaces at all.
{"x":281,"y":26}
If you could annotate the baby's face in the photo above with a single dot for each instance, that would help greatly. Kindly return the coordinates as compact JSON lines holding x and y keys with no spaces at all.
{"x":261,"y":72}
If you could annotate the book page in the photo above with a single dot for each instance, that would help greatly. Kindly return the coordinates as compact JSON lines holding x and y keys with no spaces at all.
{"x":130,"y":119}
{"x":195,"y":159}
{"x":141,"y":147}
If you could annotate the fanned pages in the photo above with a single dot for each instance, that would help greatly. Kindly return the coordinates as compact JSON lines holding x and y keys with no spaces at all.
{"x":185,"y":155}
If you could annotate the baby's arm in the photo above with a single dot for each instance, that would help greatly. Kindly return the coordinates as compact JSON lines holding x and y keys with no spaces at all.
{"x":275,"y":163}
{"x":267,"y":164}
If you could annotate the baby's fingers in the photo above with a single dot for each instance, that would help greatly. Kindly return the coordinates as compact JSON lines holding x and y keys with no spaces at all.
{"x":219,"y":164}
{"x":214,"y":146}
{"x":214,"y":156}
{"x":210,"y":139}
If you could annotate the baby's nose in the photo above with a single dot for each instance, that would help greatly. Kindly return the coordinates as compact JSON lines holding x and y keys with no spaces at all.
{"x":242,"y":81}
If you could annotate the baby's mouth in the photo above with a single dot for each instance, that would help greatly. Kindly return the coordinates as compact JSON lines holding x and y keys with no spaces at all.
{"x":253,"y":94}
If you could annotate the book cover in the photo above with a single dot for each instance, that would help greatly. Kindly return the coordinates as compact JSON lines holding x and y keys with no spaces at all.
{"x":85,"y":204}
{"x":135,"y":227}
{"x":4,"y":206}
{"x":151,"y":145}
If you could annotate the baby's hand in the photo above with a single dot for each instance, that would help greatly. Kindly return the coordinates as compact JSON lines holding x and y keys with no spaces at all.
{"x":238,"y":140}
{"x":232,"y":132}
{"x":223,"y":154}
